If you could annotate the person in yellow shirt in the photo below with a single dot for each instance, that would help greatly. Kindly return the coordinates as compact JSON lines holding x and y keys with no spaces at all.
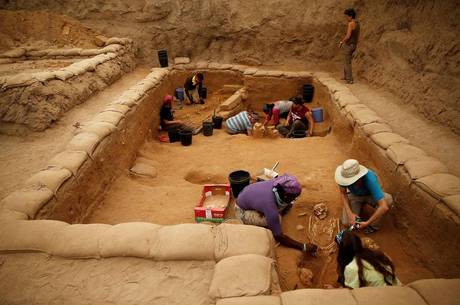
{"x":361,"y":267}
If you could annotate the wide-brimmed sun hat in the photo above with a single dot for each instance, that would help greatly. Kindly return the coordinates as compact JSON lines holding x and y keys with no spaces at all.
{"x":349,"y":172}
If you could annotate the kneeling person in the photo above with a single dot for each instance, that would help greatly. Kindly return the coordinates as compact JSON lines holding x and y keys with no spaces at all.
{"x":241,"y":122}
{"x":167,"y":121}
{"x":358,"y":186}
{"x":263,"y":203}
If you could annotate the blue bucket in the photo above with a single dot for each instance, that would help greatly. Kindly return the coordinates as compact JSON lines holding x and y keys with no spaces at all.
{"x":317,"y":114}
{"x":180,"y":94}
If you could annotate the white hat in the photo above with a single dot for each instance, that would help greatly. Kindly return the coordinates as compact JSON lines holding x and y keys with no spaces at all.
{"x":349,"y":172}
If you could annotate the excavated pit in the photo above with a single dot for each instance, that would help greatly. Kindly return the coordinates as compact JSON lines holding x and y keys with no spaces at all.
{"x":109,"y":193}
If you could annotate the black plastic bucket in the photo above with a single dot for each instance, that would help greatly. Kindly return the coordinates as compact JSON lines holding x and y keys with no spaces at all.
{"x":308,"y":92}
{"x":238,"y":181}
{"x":204,"y":93}
{"x":299,"y":133}
{"x":217,"y":122}
{"x":207,"y":129}
{"x":185,"y":137}
{"x":173,"y":134}
{"x":163,"y":58}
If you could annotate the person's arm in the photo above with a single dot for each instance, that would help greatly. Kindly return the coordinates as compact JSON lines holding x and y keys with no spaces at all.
{"x":288,"y":119}
{"x":311,"y":122}
{"x":200,"y":87}
{"x":291,"y":243}
{"x":346,"y":205}
{"x":267,"y":119}
{"x":351,"y":26}
{"x":382,"y":208}
{"x":166,"y":122}
{"x":190,"y":97}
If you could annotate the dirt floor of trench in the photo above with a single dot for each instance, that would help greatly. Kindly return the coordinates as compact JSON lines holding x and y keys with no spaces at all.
{"x":169,"y":198}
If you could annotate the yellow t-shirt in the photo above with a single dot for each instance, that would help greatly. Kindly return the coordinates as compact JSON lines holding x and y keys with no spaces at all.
{"x":373,"y":277}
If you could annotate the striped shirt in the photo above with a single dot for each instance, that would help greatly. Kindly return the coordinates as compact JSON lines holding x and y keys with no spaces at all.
{"x":239,"y":122}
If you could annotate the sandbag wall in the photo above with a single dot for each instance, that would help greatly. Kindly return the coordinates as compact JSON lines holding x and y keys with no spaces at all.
{"x":422,"y":292}
{"x":427,"y":197}
{"x":35,"y":100}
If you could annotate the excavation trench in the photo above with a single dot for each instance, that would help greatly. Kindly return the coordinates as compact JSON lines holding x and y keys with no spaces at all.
{"x":107,"y":192}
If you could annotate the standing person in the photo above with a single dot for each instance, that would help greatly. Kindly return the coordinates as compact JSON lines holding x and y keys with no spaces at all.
{"x":167,"y":120}
{"x":275,"y":111}
{"x":192,"y":83}
{"x":263,"y":203}
{"x":358,"y":186}
{"x":241,"y":122}
{"x":361,"y":267}
{"x":299,"y":118}
{"x":349,"y":43}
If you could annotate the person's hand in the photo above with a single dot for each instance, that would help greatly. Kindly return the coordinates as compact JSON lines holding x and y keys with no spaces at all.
{"x":340,"y":44}
{"x":352,"y":218}
{"x":310,"y":133}
{"x":363,"y":224}
{"x":310,"y":249}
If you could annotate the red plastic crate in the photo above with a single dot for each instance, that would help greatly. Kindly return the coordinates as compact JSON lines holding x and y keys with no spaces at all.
{"x":213,"y":214}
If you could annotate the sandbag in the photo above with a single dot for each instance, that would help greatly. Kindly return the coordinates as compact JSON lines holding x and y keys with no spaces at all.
{"x":230,"y":103}
{"x":226,"y":66}
{"x":18,"y":80}
{"x":366,"y":116}
{"x":63,"y":74}
{"x":128,"y":239}
{"x":241,"y":275}
{"x":113,"y":48}
{"x":345,"y":98}
{"x":374,"y":128}
{"x":387,"y":295}
{"x":257,"y":300}
{"x":385,"y":139}
{"x":400,"y":153}
{"x":79,"y":241}
{"x":44,"y":76}
{"x":71,"y":160}
{"x":84,"y":141}
{"x":440,"y":185}
{"x":109,"y":117}
{"x":19,"y":52}
{"x":239,"y":68}
{"x":318,"y":297}
{"x":29,"y":235}
{"x":438,"y":291}
{"x":201,"y":65}
{"x":101,"y":129}
{"x":425,"y":166}
{"x":354,"y":108}
{"x":290,"y":74}
{"x":305,"y":74}
{"x":37,"y":53}
{"x":51,"y":177}
{"x":181,"y":60}
{"x":234,"y":240}
{"x":27,"y":200}
{"x":184,"y":242}
{"x":250,"y":71}
{"x":90,"y":52}
{"x":123,"y":109}
{"x":116,"y":40}
{"x":10,"y":215}
{"x":453,"y":202}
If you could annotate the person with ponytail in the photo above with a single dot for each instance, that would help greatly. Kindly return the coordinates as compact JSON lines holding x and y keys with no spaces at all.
{"x":361,"y":267}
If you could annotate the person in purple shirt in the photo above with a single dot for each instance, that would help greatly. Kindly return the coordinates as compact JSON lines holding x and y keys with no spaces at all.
{"x":359,"y":185}
{"x":263,"y":203}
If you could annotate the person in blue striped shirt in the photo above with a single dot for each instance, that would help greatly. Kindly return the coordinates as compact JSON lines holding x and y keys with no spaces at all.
{"x":241,"y":122}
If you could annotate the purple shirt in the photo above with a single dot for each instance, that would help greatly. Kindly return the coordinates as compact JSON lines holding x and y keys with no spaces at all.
{"x":259,"y":196}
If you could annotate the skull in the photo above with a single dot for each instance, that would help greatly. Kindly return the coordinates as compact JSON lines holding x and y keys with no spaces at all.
{"x":320,"y":210}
